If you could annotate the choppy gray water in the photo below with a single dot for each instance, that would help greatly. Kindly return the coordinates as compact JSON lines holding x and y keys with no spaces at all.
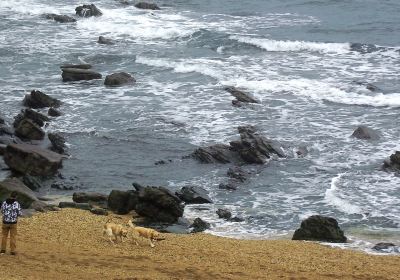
{"x":294,"y":56}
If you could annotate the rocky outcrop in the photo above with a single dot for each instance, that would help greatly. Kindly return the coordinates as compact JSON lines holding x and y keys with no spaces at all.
{"x":34,"y":116}
{"x":159,"y":204}
{"x":37,"y":99}
{"x":92,"y":198}
{"x":365,"y":133}
{"x":122,"y":202}
{"x":147,"y":6}
{"x":105,"y":41}
{"x":25,"y":195}
{"x":386,"y":247}
{"x":32,"y":160}
{"x":193,"y":195}
{"x":199,"y":225}
{"x":88,"y":11}
{"x":53,"y":112}
{"x":27,"y":129}
{"x":240,"y":96}
{"x":393,"y":163}
{"x":60,"y":18}
{"x":57,"y":143}
{"x":218,"y":153}
{"x":118,"y":79}
{"x":319,"y":228}
{"x":77,"y":74}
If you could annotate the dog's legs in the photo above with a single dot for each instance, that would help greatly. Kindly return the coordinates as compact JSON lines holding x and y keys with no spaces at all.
{"x":151,"y":243}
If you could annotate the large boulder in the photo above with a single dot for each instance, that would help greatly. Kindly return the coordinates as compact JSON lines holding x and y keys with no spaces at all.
{"x":159,"y":204}
{"x":240,"y":95}
{"x":218,"y":153}
{"x":365,"y":133}
{"x":25,"y":195}
{"x":105,"y":41}
{"x":193,"y":195}
{"x":122,"y":202}
{"x":34,"y":116}
{"x":118,"y":79}
{"x":88,"y":11}
{"x":57,"y":143}
{"x":37,"y":99}
{"x":147,"y":6}
{"x":27,"y":129}
{"x":60,"y":18}
{"x":32,"y":160}
{"x":319,"y":228}
{"x":77,"y":74}
{"x":393,"y":162}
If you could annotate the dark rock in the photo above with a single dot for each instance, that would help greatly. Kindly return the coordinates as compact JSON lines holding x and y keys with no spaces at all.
{"x":29,"y":130}
{"x":218,"y":153}
{"x":10,"y":139}
{"x":393,"y":162}
{"x":240,"y":95}
{"x":31,"y":182}
{"x":160,"y":162}
{"x":2,"y":149}
{"x":77,"y":66}
{"x":147,"y":6}
{"x":54,"y":112}
{"x":60,"y":18}
{"x":363,"y":132}
{"x":88,"y":11}
{"x":37,"y":99}
{"x":224,"y":214}
{"x":34,"y":116}
{"x":199,"y":225}
{"x":138,"y":187}
{"x":2,"y":121}
{"x":87,"y":197}
{"x":122,"y":202}
{"x":61,"y":187}
{"x":76,"y":74}
{"x":105,"y":41}
{"x":236,"y":219}
{"x":32,"y":160}
{"x":386,"y":247}
{"x":364,"y":48}
{"x":193,"y":195}
{"x":99,"y":211}
{"x":301,"y":151}
{"x":159,"y":204}
{"x":238,"y":173}
{"x":6,"y":130}
{"x":230,"y":185}
{"x":25,"y":195}
{"x":118,"y":79}
{"x":319,"y":228}
{"x":82,"y":206}
{"x":57,"y":143}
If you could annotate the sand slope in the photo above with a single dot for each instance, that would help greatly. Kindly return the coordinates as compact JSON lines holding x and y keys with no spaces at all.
{"x":68,"y":245}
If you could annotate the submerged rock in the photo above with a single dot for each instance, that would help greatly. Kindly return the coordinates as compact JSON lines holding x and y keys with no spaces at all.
{"x":238,"y":173}
{"x":193,"y":195}
{"x":319,"y":228}
{"x":363,"y":132}
{"x":27,"y":129}
{"x":147,"y":6}
{"x":240,"y":96}
{"x":386,"y":247}
{"x":60,"y":18}
{"x":37,"y":99}
{"x":88,"y":11}
{"x":393,"y":162}
{"x":57,"y":143}
{"x":118,"y":79}
{"x":105,"y":41}
{"x":32,"y":160}
{"x":230,"y":185}
{"x":77,"y":74}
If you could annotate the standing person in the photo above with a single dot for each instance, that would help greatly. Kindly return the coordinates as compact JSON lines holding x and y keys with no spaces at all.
{"x":10,"y":209}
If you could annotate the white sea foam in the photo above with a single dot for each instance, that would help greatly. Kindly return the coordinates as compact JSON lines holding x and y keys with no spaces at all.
{"x":293,"y":46}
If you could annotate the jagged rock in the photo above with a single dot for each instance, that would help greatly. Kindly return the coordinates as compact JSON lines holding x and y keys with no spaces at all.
{"x":159,"y":204}
{"x":238,"y":173}
{"x":240,"y":96}
{"x":147,"y":6}
{"x":37,"y":99}
{"x":34,"y":116}
{"x":393,"y":162}
{"x":236,"y":219}
{"x":118,"y":79}
{"x":57,"y":143}
{"x":29,"y":130}
{"x":92,"y":198}
{"x":122,"y":202}
{"x":105,"y":41}
{"x":77,"y":66}
{"x":88,"y":11}
{"x":224,"y":214}
{"x":25,"y":195}
{"x":67,"y":204}
{"x":319,"y":228}
{"x":54,"y":112}
{"x":32,"y":160}
{"x":363,"y":132}
{"x":386,"y":247}
{"x":230,"y":185}
{"x":193,"y":195}
{"x":199,"y":225}
{"x":31,"y":182}
{"x":99,"y":211}
{"x":76,"y":74}
{"x":60,"y":18}
{"x":218,"y":153}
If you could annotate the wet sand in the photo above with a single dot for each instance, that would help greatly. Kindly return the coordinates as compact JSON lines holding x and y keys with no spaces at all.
{"x":68,"y":244}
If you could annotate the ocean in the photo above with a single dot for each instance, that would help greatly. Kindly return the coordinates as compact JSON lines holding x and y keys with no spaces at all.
{"x":308,"y":62}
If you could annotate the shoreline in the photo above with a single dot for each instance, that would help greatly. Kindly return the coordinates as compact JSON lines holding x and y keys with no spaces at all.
{"x":68,"y":244}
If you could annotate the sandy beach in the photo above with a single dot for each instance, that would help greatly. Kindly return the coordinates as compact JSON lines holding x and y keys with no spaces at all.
{"x":68,"y":244}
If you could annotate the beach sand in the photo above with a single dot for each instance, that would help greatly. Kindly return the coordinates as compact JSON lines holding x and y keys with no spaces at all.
{"x":68,"y":244}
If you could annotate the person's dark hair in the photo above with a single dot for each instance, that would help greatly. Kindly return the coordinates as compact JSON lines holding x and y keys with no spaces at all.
{"x":13,"y":195}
